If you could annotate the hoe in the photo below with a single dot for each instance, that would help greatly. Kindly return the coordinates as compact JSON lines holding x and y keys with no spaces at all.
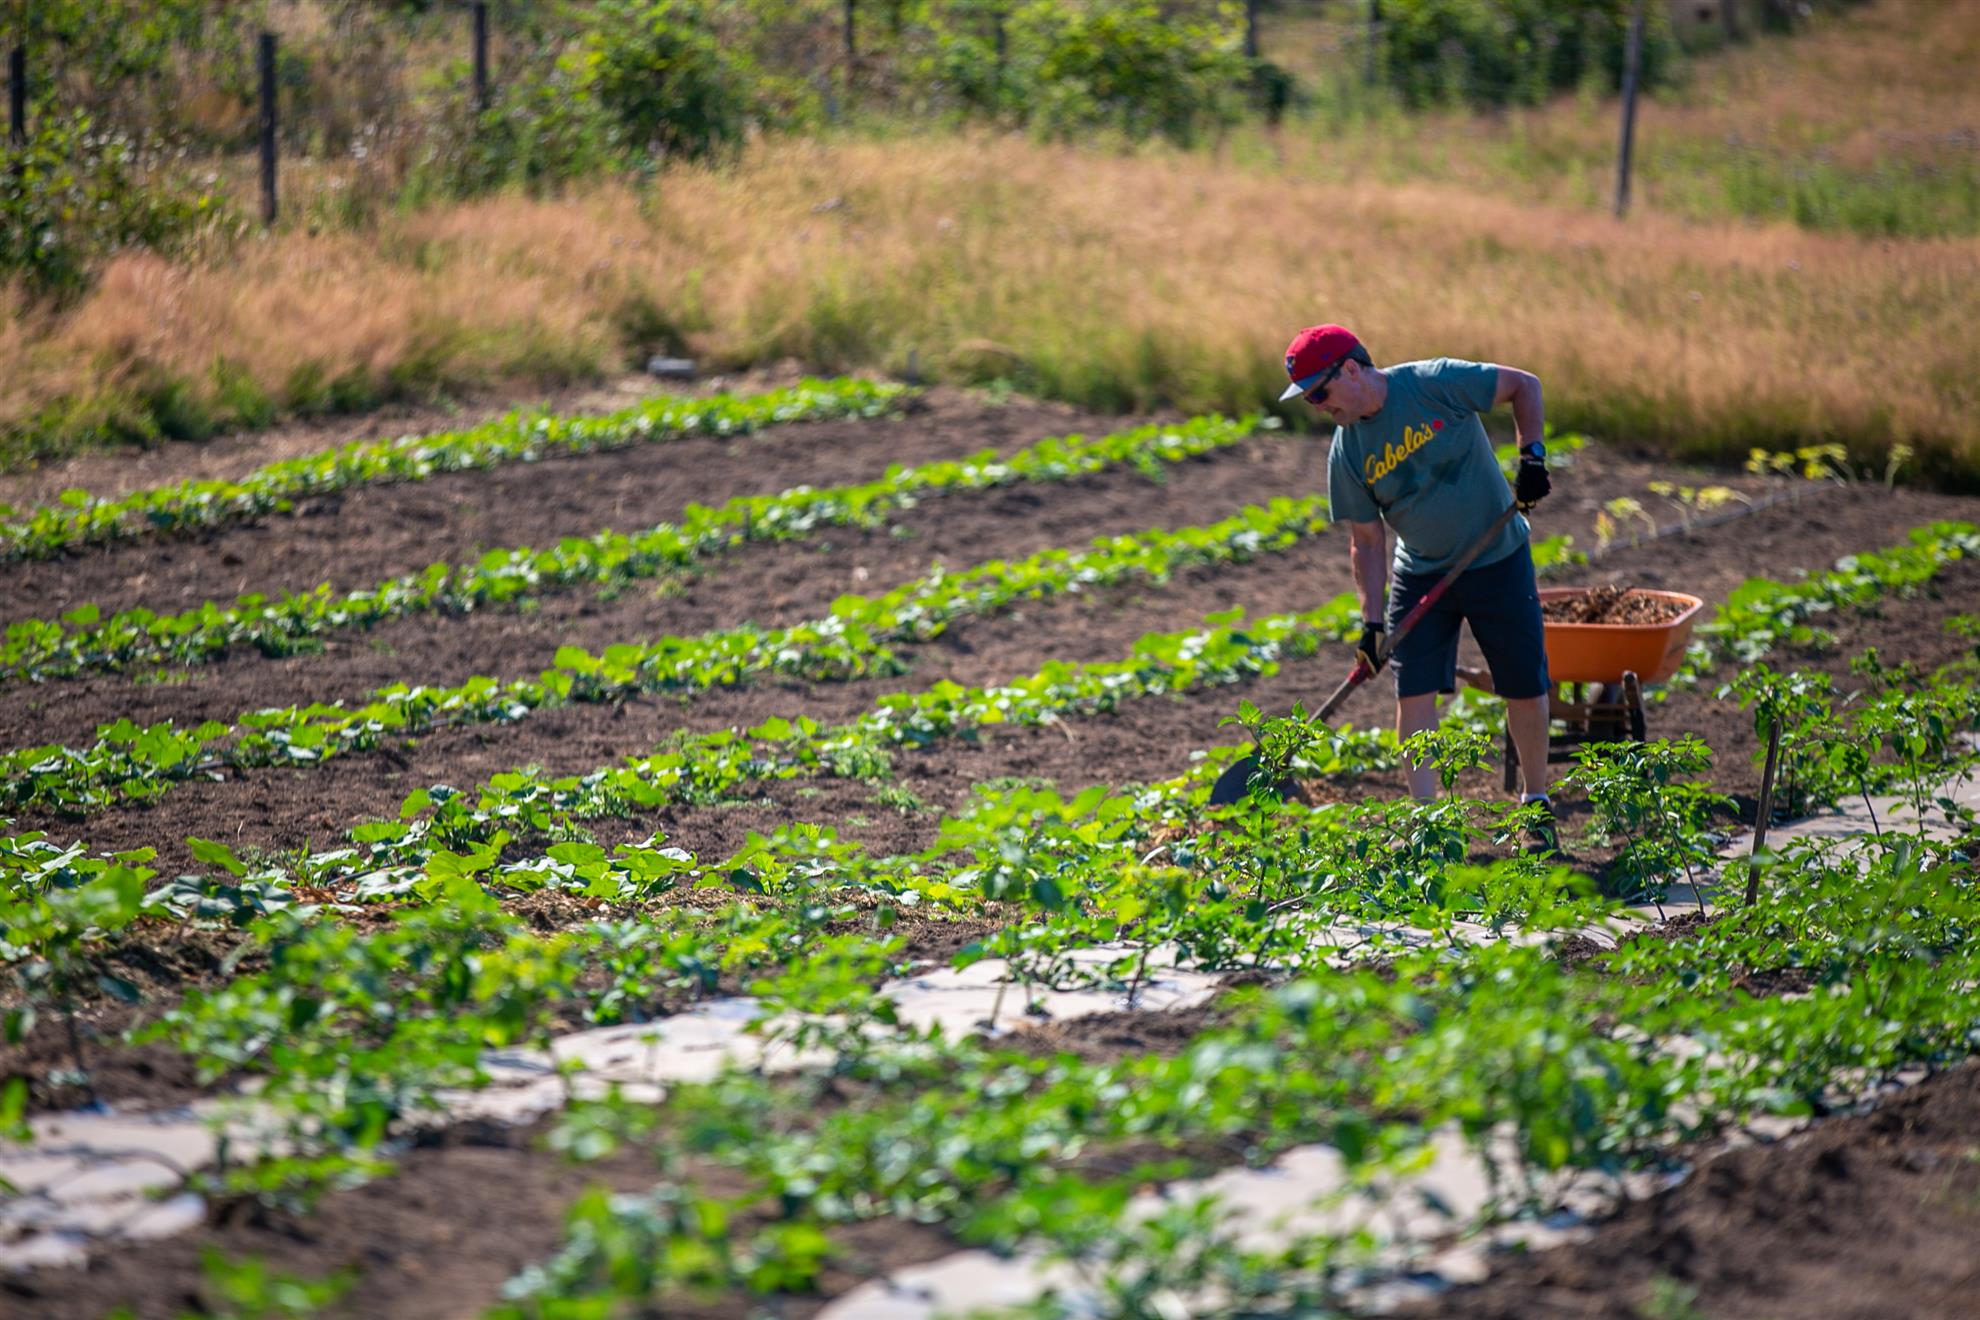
{"x":1598,"y":669}
{"x":1235,"y":782}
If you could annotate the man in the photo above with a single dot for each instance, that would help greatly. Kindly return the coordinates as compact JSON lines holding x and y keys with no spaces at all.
{"x":1409,"y":450}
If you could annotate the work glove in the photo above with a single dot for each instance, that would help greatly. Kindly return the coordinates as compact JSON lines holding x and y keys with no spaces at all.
{"x":1531,"y":483}
{"x":1368,"y":649}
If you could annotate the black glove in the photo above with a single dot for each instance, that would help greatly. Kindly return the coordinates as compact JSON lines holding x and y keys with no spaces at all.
{"x":1531,"y":483}
{"x":1369,"y":648}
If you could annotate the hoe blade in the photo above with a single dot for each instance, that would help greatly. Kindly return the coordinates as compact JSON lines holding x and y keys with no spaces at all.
{"x":1235,"y":782}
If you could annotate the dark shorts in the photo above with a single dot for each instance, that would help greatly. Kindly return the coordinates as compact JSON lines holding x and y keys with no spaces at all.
{"x":1500,"y":601}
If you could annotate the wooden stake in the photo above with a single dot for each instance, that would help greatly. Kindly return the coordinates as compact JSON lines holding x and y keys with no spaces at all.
{"x":1766,"y":810}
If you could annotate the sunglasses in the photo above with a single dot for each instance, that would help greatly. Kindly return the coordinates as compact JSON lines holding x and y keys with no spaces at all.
{"x":1317,"y":394}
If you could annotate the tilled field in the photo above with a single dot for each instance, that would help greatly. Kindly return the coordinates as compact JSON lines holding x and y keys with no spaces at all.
{"x":411,"y":1254}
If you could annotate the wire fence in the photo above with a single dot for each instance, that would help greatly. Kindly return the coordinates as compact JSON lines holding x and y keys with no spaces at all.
{"x":351,"y":97}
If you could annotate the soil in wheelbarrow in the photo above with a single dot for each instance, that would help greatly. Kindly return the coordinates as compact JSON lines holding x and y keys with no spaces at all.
{"x":1611,"y":604}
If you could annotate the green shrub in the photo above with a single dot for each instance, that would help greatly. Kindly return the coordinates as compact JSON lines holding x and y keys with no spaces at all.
{"x":664,"y":80}
{"x":71,"y":195}
{"x":957,"y":65}
{"x":131,"y":64}
{"x":1514,"y":52}
{"x":540,"y":133}
{"x":1069,"y":69}
{"x":635,"y":82}
{"x":1128,"y":67}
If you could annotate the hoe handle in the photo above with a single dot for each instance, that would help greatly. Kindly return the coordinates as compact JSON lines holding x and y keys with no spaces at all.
{"x":1361,"y":672}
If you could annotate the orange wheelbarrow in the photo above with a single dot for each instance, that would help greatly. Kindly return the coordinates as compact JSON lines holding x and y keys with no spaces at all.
{"x":1599,"y":670}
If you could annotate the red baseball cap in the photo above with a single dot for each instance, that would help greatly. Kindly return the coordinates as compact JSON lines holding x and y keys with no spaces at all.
{"x":1313,"y":351}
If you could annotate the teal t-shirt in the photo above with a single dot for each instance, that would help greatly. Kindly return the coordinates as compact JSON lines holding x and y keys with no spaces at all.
{"x":1424,"y":465}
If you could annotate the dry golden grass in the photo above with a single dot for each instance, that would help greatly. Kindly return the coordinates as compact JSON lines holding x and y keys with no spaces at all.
{"x":1112,"y":280}
{"x":1881,"y":85}
{"x":1894,"y":76}
{"x":1127,"y":281}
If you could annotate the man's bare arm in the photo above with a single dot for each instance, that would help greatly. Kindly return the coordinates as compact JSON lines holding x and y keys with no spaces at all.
{"x":1522,"y":390}
{"x":1368,"y":554}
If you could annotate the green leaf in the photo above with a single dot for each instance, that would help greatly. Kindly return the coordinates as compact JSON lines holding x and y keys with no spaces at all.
{"x":13,"y":1110}
{"x":216,"y":854}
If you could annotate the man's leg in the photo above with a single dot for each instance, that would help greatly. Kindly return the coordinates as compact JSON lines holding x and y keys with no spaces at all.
{"x":1414,"y":715}
{"x":1526,"y":718}
{"x":1503,"y":609}
{"x":1426,"y":664}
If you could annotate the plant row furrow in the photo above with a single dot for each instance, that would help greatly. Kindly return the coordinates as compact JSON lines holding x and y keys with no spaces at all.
{"x":853,"y":641}
{"x":82,"y":640}
{"x":1761,"y":614}
{"x":708,"y":766}
{"x":522,"y":436}
{"x":355,"y":1028}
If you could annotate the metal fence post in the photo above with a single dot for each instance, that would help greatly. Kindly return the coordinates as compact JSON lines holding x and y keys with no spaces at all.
{"x":17,"y":95}
{"x":268,"y":128}
{"x":1632,"y":63}
{"x":1374,"y":69}
{"x":481,"y":55}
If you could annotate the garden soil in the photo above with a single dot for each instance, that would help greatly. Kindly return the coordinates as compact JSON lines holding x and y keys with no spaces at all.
{"x":280,"y":807}
{"x":471,"y":1207}
{"x":1865,"y":1218}
{"x":357,"y":537}
{"x":1613,"y":605}
{"x":474,"y":1203}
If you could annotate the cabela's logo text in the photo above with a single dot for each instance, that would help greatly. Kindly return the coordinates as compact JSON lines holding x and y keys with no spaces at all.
{"x":1377,"y":466}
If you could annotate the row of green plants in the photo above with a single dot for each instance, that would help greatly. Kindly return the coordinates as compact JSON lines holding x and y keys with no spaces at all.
{"x":136,"y":765}
{"x":522,"y":436}
{"x":1881,"y":739}
{"x":84,"y":640}
{"x":1903,"y":738}
{"x":1762,"y":615}
{"x":1012,"y":1152}
{"x":856,"y":640}
{"x":1367,"y":1059}
{"x":129,"y":763}
{"x":1648,"y":806}
{"x":1085,"y":860}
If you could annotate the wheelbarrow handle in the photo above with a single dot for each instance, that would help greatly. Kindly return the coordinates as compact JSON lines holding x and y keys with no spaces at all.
{"x":1362,"y":672}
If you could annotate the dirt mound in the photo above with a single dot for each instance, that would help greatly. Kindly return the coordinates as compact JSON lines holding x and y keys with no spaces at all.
{"x":1871,"y":1215}
{"x":1611,"y":604}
